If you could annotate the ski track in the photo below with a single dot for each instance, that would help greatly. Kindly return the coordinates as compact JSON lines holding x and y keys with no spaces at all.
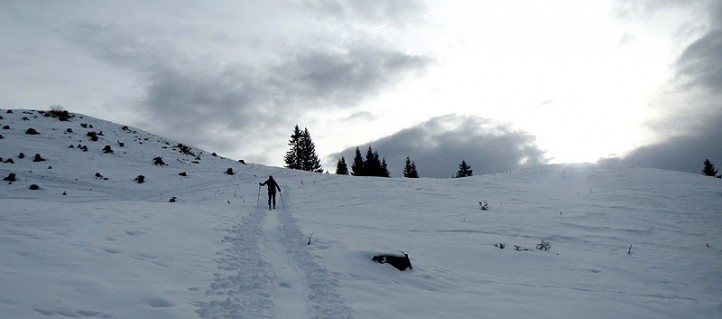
{"x":268,"y":272}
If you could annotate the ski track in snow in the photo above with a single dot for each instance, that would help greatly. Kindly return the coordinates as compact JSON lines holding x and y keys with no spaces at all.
{"x":268,"y":272}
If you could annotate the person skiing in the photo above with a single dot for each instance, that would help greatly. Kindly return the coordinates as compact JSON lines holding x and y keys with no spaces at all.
{"x":272,"y":186}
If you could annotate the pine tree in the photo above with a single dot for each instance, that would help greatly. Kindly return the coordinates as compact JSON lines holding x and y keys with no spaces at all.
{"x":464,"y":170}
{"x":358,"y":168}
{"x":410,"y":169}
{"x":293,"y":156}
{"x":384,"y":171}
{"x":372,"y":165}
{"x":309,"y":159}
{"x":302,"y":154}
{"x":709,"y":169}
{"x":341,"y":168}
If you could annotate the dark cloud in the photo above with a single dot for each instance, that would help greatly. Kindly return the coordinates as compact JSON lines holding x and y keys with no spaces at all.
{"x":340,"y":78}
{"x":438,"y":145}
{"x":683,"y":152}
{"x":200,"y":102}
{"x":699,"y":64}
{"x":692,"y":125}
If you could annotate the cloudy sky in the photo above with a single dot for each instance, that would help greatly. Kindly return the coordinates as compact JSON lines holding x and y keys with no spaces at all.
{"x":499,"y":84}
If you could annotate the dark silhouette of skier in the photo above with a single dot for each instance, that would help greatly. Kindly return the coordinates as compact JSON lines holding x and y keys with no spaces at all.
{"x":272,"y":186}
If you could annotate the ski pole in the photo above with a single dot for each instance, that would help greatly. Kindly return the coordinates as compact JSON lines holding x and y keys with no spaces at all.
{"x":282,"y":203}
{"x":259,"y":195}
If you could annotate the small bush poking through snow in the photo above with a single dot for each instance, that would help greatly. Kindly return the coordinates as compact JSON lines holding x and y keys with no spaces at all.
{"x":107,"y":149}
{"x":57,"y":111}
{"x":31,"y":131}
{"x":158,"y":161}
{"x":229,"y":171}
{"x":93,"y":136}
{"x":140,"y":179}
{"x":34,"y":187}
{"x":544,"y":245}
{"x":10,"y":178}
{"x":38,"y":158}
{"x":185,"y":149}
{"x":484,"y":205}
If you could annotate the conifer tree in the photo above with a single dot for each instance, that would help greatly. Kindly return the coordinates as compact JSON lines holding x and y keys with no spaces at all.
{"x":358,"y":168}
{"x":709,"y":169}
{"x":293,"y":156}
{"x":384,"y":171}
{"x":464,"y":170}
{"x":309,"y":159}
{"x":302,"y":154}
{"x":341,"y":168}
{"x":410,"y":169}
{"x":372,"y":165}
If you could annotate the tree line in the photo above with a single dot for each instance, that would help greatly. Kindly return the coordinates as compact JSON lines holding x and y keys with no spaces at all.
{"x":302,"y":156}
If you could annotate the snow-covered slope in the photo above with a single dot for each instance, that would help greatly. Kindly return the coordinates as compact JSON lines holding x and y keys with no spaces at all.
{"x":108,"y":247}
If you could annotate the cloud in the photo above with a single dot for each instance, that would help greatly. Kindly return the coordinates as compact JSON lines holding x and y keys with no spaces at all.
{"x":691,"y":124}
{"x":626,"y":39}
{"x":361,"y":116}
{"x":683,"y":153}
{"x":342,"y":77}
{"x":699,"y":63}
{"x":438,"y":145}
{"x":230,"y":107}
{"x":629,"y":9}
{"x":367,"y":11}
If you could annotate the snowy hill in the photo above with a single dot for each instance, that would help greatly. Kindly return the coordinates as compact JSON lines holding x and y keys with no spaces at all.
{"x":93,"y":242}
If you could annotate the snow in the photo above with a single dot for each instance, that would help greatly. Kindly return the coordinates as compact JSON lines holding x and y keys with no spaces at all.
{"x":83,"y":246}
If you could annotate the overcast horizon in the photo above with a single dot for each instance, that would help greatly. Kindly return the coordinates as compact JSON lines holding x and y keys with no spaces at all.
{"x":500,"y":85}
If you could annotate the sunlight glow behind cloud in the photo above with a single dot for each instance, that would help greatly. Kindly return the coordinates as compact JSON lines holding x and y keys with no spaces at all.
{"x":586,"y":79}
